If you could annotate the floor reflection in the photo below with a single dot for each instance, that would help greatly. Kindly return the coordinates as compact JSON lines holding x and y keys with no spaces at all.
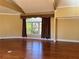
{"x":38,"y":49}
{"x":34,"y":50}
{"x":22,"y":49}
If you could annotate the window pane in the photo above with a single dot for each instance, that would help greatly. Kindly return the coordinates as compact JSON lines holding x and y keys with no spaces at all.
{"x":29,"y":28}
{"x":34,"y":26}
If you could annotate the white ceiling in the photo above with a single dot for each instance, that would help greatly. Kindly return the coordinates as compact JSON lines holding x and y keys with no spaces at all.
{"x":39,"y":6}
{"x":35,"y":6}
{"x":9,"y":7}
{"x":8,"y":11}
{"x":44,"y":6}
{"x":68,"y":3}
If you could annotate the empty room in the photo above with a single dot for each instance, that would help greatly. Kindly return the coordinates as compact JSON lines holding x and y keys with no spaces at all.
{"x":39,"y":29}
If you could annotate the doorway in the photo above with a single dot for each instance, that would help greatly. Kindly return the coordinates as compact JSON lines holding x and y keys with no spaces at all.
{"x":34,"y":27}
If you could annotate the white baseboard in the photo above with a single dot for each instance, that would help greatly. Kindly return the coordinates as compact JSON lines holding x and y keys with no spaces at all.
{"x":25,"y":38}
{"x":10,"y":37}
{"x":63,"y":40}
{"x":68,"y":40}
{"x":38,"y":38}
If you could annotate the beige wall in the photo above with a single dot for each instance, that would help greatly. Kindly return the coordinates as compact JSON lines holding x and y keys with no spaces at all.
{"x":68,"y":29}
{"x":52,"y":28}
{"x":10,"y":26}
{"x":67,"y":12}
{"x":68,"y":23}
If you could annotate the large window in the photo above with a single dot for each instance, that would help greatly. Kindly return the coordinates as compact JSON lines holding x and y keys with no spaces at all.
{"x":34,"y":26}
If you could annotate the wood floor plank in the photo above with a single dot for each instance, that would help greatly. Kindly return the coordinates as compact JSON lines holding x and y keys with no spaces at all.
{"x":35,"y":49}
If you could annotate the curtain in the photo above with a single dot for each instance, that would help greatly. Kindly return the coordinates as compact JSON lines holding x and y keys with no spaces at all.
{"x":45,"y":27}
{"x":24,"y":30}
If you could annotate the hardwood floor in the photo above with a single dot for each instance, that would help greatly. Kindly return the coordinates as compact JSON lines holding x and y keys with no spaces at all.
{"x":35,"y":49}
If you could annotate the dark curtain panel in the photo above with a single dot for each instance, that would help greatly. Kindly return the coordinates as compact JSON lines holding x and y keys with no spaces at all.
{"x":24,"y":33}
{"x":45,"y":27}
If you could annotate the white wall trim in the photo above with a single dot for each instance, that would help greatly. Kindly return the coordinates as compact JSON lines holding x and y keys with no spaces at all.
{"x":68,"y":40}
{"x":25,"y":38}
{"x":63,"y":40}
{"x":68,"y":6}
{"x":10,"y":37}
{"x":10,"y":13}
{"x":39,"y":38}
